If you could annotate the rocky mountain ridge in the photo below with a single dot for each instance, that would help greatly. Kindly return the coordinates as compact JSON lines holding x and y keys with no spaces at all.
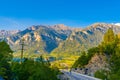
{"x":7,"y":33}
{"x":60,"y":38}
{"x":82,"y":40}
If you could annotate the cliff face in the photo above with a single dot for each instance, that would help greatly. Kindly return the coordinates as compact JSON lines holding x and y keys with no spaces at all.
{"x":97,"y":62}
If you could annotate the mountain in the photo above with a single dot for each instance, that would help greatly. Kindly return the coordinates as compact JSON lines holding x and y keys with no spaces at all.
{"x":6,"y":33}
{"x":59,"y":38}
{"x":82,"y":40}
{"x":39,"y":39}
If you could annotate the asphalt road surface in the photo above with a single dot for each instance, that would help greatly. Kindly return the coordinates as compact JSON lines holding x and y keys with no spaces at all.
{"x":77,"y":76}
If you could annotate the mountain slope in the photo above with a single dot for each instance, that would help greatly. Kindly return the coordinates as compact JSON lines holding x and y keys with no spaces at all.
{"x":59,"y":38}
{"x":85,"y":39}
{"x":38,"y":39}
{"x":6,"y":33}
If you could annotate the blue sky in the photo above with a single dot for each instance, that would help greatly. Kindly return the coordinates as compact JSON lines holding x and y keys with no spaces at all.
{"x":19,"y":14}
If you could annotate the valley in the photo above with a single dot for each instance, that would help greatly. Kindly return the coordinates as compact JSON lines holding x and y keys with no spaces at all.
{"x":66,"y":48}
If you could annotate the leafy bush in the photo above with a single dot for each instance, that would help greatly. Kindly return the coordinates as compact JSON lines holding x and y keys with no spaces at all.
{"x":101,"y":74}
{"x":84,"y":58}
{"x":30,"y":70}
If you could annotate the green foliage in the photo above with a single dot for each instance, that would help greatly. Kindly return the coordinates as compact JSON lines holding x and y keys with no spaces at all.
{"x":82,"y":60}
{"x":5,"y":52}
{"x":110,"y":42}
{"x":30,"y":70}
{"x":109,"y":47}
{"x":115,"y":76}
{"x":115,"y":66}
{"x":5,"y":58}
{"x":101,"y":74}
{"x":85,"y":57}
{"x":109,"y":36}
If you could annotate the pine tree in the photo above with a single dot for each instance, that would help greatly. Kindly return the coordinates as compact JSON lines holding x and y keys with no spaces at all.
{"x":109,"y":36}
{"x":5,"y":58}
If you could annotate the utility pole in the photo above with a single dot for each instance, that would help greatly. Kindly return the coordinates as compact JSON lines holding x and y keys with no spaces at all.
{"x":22,"y":49}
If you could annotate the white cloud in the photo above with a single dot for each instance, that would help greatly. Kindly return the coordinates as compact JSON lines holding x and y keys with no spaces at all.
{"x":118,"y":24}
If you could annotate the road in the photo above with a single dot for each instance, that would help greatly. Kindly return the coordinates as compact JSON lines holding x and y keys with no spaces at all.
{"x":77,"y":76}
